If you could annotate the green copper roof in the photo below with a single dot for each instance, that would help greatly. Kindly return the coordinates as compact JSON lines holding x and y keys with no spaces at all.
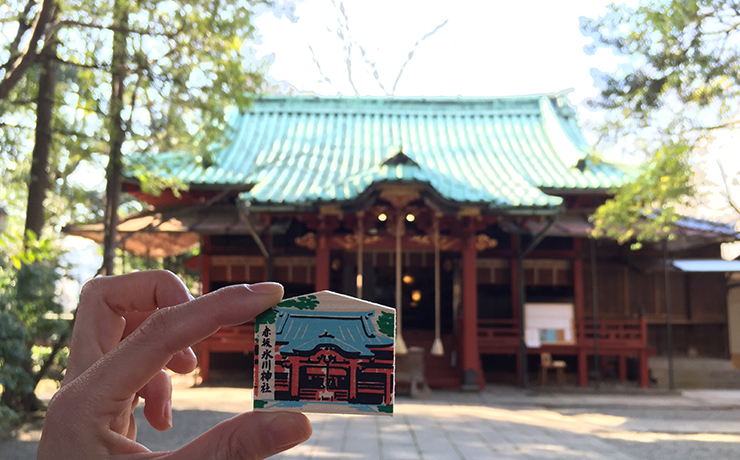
{"x":495,"y":152}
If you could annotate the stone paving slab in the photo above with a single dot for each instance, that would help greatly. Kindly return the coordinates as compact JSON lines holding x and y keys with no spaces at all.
{"x":500,"y":423}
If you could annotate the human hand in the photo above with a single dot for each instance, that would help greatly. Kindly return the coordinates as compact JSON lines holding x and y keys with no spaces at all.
{"x":128,"y":329}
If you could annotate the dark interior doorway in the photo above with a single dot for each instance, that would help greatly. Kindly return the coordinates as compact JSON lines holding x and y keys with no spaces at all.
{"x":417,"y":294}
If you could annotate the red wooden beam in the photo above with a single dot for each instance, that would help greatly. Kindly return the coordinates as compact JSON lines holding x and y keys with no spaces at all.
{"x":578,"y":300}
{"x":204,"y":263}
{"x":185,"y":198}
{"x":471,"y":357}
{"x":322,"y":261}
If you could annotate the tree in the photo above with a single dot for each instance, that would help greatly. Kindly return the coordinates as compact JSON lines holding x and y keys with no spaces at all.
{"x":174,"y":69}
{"x":27,"y":298}
{"x":116,"y":132}
{"x":151,"y":76}
{"x":678,"y":86}
{"x":103,"y":80}
{"x":38,"y":182}
{"x":35,"y":108}
{"x":35,"y":20}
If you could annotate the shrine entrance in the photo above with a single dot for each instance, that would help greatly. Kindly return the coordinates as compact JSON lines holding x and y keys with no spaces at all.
{"x":417,"y":295}
{"x":327,"y":382}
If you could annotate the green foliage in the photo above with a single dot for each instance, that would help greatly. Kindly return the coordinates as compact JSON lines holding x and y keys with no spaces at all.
{"x":679,"y":83}
{"x":645,"y":209}
{"x":34,"y":298}
{"x":682,"y":60}
{"x":259,"y":403}
{"x":266,"y":317}
{"x":8,"y":418}
{"x":186,"y":63}
{"x":36,"y":250}
{"x":40,"y":355}
{"x":308,"y":302}
{"x":386,"y":324}
{"x":29,"y":311}
{"x":154,"y":184}
{"x":386,"y":409}
{"x":13,"y":353}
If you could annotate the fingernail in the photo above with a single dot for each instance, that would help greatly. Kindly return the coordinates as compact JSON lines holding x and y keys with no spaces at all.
{"x":266,"y":288}
{"x":288,"y":429}
{"x":188,"y":353}
{"x":168,"y":413}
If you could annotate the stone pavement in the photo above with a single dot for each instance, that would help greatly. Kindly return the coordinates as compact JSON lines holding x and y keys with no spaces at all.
{"x":501,"y":423}
{"x":507,"y":423}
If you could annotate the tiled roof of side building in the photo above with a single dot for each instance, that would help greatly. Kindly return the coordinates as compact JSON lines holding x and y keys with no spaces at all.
{"x":496,"y":152}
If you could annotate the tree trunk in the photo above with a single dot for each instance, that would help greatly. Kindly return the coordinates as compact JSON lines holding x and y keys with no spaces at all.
{"x":117,"y":136}
{"x":38,"y":183}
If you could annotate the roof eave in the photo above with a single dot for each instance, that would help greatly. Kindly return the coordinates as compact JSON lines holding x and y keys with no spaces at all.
{"x":562,"y":191}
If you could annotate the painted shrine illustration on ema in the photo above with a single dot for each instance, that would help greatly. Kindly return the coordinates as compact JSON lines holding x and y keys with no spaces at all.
{"x":325,"y":352}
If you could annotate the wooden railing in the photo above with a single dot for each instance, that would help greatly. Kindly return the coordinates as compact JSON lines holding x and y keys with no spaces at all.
{"x":238,"y":339}
{"x":616,"y":334}
{"x":497,"y":334}
{"x":501,"y":336}
{"x":622,"y":339}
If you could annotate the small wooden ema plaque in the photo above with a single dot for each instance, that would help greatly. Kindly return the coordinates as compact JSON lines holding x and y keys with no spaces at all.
{"x":325,"y":352}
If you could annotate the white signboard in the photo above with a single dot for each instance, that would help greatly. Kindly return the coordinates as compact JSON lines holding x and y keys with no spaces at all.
{"x":549,"y":324}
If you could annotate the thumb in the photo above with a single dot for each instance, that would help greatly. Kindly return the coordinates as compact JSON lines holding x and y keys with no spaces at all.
{"x":249,"y":436}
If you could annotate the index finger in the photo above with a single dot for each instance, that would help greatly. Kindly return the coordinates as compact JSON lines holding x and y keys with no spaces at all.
{"x":130,"y":365}
{"x":104,"y":304}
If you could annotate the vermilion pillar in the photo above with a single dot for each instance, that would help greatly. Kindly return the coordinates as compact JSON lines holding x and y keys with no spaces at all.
{"x":578,"y":297}
{"x":205,"y":273}
{"x":204,"y":264}
{"x":470,"y":355}
{"x":514,"y":270}
{"x":295,"y":368}
{"x":322,"y":262}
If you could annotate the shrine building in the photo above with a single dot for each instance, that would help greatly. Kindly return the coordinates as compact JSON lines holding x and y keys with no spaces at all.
{"x":467,"y":215}
{"x":346,"y":362}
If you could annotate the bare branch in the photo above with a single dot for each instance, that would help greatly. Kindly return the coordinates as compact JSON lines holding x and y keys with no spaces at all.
{"x":351,"y":41}
{"x":10,"y":125}
{"x":347,"y":45}
{"x":318,"y":66}
{"x":105,"y":67}
{"x":720,"y":126}
{"x":81,"y":135}
{"x":23,"y":26}
{"x":413,"y":50}
{"x":22,"y":61}
{"x":728,"y":192}
{"x":373,"y":67}
{"x":69,"y":22}
{"x":130,"y":120}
